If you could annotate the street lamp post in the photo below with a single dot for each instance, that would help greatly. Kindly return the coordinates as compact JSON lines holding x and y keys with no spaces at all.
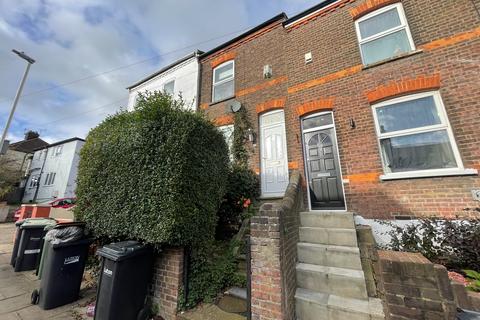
{"x":30,"y":61}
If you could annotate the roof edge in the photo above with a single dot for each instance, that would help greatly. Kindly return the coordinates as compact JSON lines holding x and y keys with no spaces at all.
{"x":280,"y":16}
{"x":61,"y":142}
{"x":195,"y":53}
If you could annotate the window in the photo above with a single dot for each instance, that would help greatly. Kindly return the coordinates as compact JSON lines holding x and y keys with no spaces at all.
{"x":223,"y":81}
{"x":384,"y":34}
{"x":169,"y":87}
{"x":227,"y":132}
{"x":49,"y":179}
{"x":415,"y":136}
{"x":34,"y":181}
{"x":58,"y":150}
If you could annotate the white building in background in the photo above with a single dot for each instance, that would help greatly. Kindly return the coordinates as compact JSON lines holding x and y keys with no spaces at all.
{"x":53,"y":171}
{"x":178,"y":78}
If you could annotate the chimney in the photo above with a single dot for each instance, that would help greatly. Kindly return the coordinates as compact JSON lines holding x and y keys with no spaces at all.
{"x":29,"y":135}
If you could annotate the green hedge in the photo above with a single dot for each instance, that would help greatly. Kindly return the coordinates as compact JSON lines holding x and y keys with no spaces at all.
{"x":156,"y":174}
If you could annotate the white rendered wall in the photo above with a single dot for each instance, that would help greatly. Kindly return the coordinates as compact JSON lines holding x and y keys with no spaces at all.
{"x":64,"y":165}
{"x":185,"y":75}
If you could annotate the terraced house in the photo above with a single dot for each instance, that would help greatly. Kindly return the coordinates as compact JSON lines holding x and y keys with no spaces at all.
{"x":376,"y":105}
{"x":375,"y":102}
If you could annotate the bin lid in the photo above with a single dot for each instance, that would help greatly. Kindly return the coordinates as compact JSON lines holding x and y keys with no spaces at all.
{"x":37,"y":223}
{"x":117,"y":251}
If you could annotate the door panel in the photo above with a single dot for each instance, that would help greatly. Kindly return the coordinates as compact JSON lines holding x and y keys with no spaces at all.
{"x":323,"y":170}
{"x":274,"y":173}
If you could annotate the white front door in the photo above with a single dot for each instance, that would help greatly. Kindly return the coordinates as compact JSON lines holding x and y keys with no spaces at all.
{"x":273,"y":153}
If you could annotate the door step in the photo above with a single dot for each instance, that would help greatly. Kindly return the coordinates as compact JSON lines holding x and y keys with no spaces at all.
{"x":327,"y":219}
{"x":331,"y":236}
{"x":311,"y":305}
{"x":339,"y":281}
{"x":329,"y":255}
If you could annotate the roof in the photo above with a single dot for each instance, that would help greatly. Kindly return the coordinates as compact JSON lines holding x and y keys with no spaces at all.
{"x":62,"y":142}
{"x":280,"y":16}
{"x":305,"y":13}
{"x":153,"y":75}
{"x":28,"y":146}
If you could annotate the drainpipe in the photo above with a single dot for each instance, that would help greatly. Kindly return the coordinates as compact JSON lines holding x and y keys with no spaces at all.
{"x":40,"y":177}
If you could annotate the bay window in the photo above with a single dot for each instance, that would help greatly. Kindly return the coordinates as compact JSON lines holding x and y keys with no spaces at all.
{"x":223,"y":81}
{"x":384,"y":34}
{"x":415,"y":137}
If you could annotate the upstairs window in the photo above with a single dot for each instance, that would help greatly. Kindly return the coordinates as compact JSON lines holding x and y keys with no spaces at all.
{"x":223,"y":81}
{"x":415,"y":136}
{"x":169,"y":87}
{"x":384,"y":34}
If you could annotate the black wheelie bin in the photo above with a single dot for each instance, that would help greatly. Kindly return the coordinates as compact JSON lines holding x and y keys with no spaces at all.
{"x":29,"y":237}
{"x":64,"y":262}
{"x":123,"y":284}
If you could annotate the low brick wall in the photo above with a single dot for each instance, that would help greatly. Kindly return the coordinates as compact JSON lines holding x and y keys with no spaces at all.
{"x":464,"y":298}
{"x":167,"y":282}
{"x":415,"y":288}
{"x":274,"y":237}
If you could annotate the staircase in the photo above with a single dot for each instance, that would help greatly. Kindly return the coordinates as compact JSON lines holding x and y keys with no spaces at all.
{"x":330,"y":279}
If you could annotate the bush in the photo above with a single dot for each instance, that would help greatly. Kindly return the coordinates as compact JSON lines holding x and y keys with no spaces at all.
{"x":242,"y":189}
{"x":455,"y":244}
{"x":156,"y":174}
{"x":212,"y":268}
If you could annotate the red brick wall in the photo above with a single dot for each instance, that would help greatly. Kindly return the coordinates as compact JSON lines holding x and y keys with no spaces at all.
{"x":448,"y":36}
{"x":167,"y":282}
{"x":415,"y":288}
{"x":274,"y":238}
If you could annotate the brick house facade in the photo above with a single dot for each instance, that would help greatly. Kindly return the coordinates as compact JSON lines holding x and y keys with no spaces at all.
{"x":441,"y":65}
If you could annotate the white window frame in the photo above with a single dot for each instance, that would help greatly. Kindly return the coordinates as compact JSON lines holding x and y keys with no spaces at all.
{"x":403,"y":26}
{"x":444,"y":125}
{"x":167,"y":82}
{"x":224,"y":80}
{"x":58,"y":150}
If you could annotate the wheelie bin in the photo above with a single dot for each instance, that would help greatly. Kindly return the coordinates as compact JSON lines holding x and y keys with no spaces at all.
{"x":63,"y":266}
{"x":123,"y":284}
{"x":44,"y":244}
{"x":16,"y":242}
{"x":29,"y":234}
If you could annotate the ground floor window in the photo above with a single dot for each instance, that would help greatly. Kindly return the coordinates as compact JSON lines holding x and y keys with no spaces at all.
{"x":415,"y":135}
{"x":227,"y":132}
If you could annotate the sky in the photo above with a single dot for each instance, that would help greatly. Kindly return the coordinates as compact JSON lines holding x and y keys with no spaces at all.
{"x":87,"y":52}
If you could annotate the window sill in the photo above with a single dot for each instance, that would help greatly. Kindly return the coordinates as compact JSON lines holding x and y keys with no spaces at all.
{"x":271,"y":197}
{"x":220,"y":101}
{"x":402,"y":56}
{"x":428,"y":174}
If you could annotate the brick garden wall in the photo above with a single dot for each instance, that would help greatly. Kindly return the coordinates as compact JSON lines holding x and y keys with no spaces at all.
{"x":448,"y":48}
{"x":274,"y":236}
{"x":415,"y":288}
{"x":167,"y":282}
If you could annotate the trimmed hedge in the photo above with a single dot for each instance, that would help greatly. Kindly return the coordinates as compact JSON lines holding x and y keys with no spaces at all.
{"x":155,"y":174}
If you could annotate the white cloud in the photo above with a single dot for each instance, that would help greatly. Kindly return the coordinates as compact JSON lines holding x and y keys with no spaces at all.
{"x":68,"y":47}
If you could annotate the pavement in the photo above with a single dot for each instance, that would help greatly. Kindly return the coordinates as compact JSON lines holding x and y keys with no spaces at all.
{"x":16,"y":288}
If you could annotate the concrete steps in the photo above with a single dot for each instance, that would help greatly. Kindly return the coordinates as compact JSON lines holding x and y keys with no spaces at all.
{"x":327,"y":219}
{"x":333,"y":236}
{"x":339,"y":281}
{"x":330,"y":280}
{"x":329,"y":255}
{"x":312,"y":305}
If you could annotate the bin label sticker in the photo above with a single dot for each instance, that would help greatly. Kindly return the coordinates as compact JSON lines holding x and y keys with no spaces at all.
{"x":71,"y":260}
{"x":108,"y":272}
{"x":34,"y":239}
{"x":33,"y":251}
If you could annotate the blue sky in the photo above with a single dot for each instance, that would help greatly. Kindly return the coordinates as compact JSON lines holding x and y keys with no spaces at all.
{"x":72,"y":40}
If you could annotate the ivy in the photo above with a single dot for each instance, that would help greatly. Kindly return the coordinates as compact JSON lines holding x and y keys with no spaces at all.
{"x":155,"y":174}
{"x":239,"y":147}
